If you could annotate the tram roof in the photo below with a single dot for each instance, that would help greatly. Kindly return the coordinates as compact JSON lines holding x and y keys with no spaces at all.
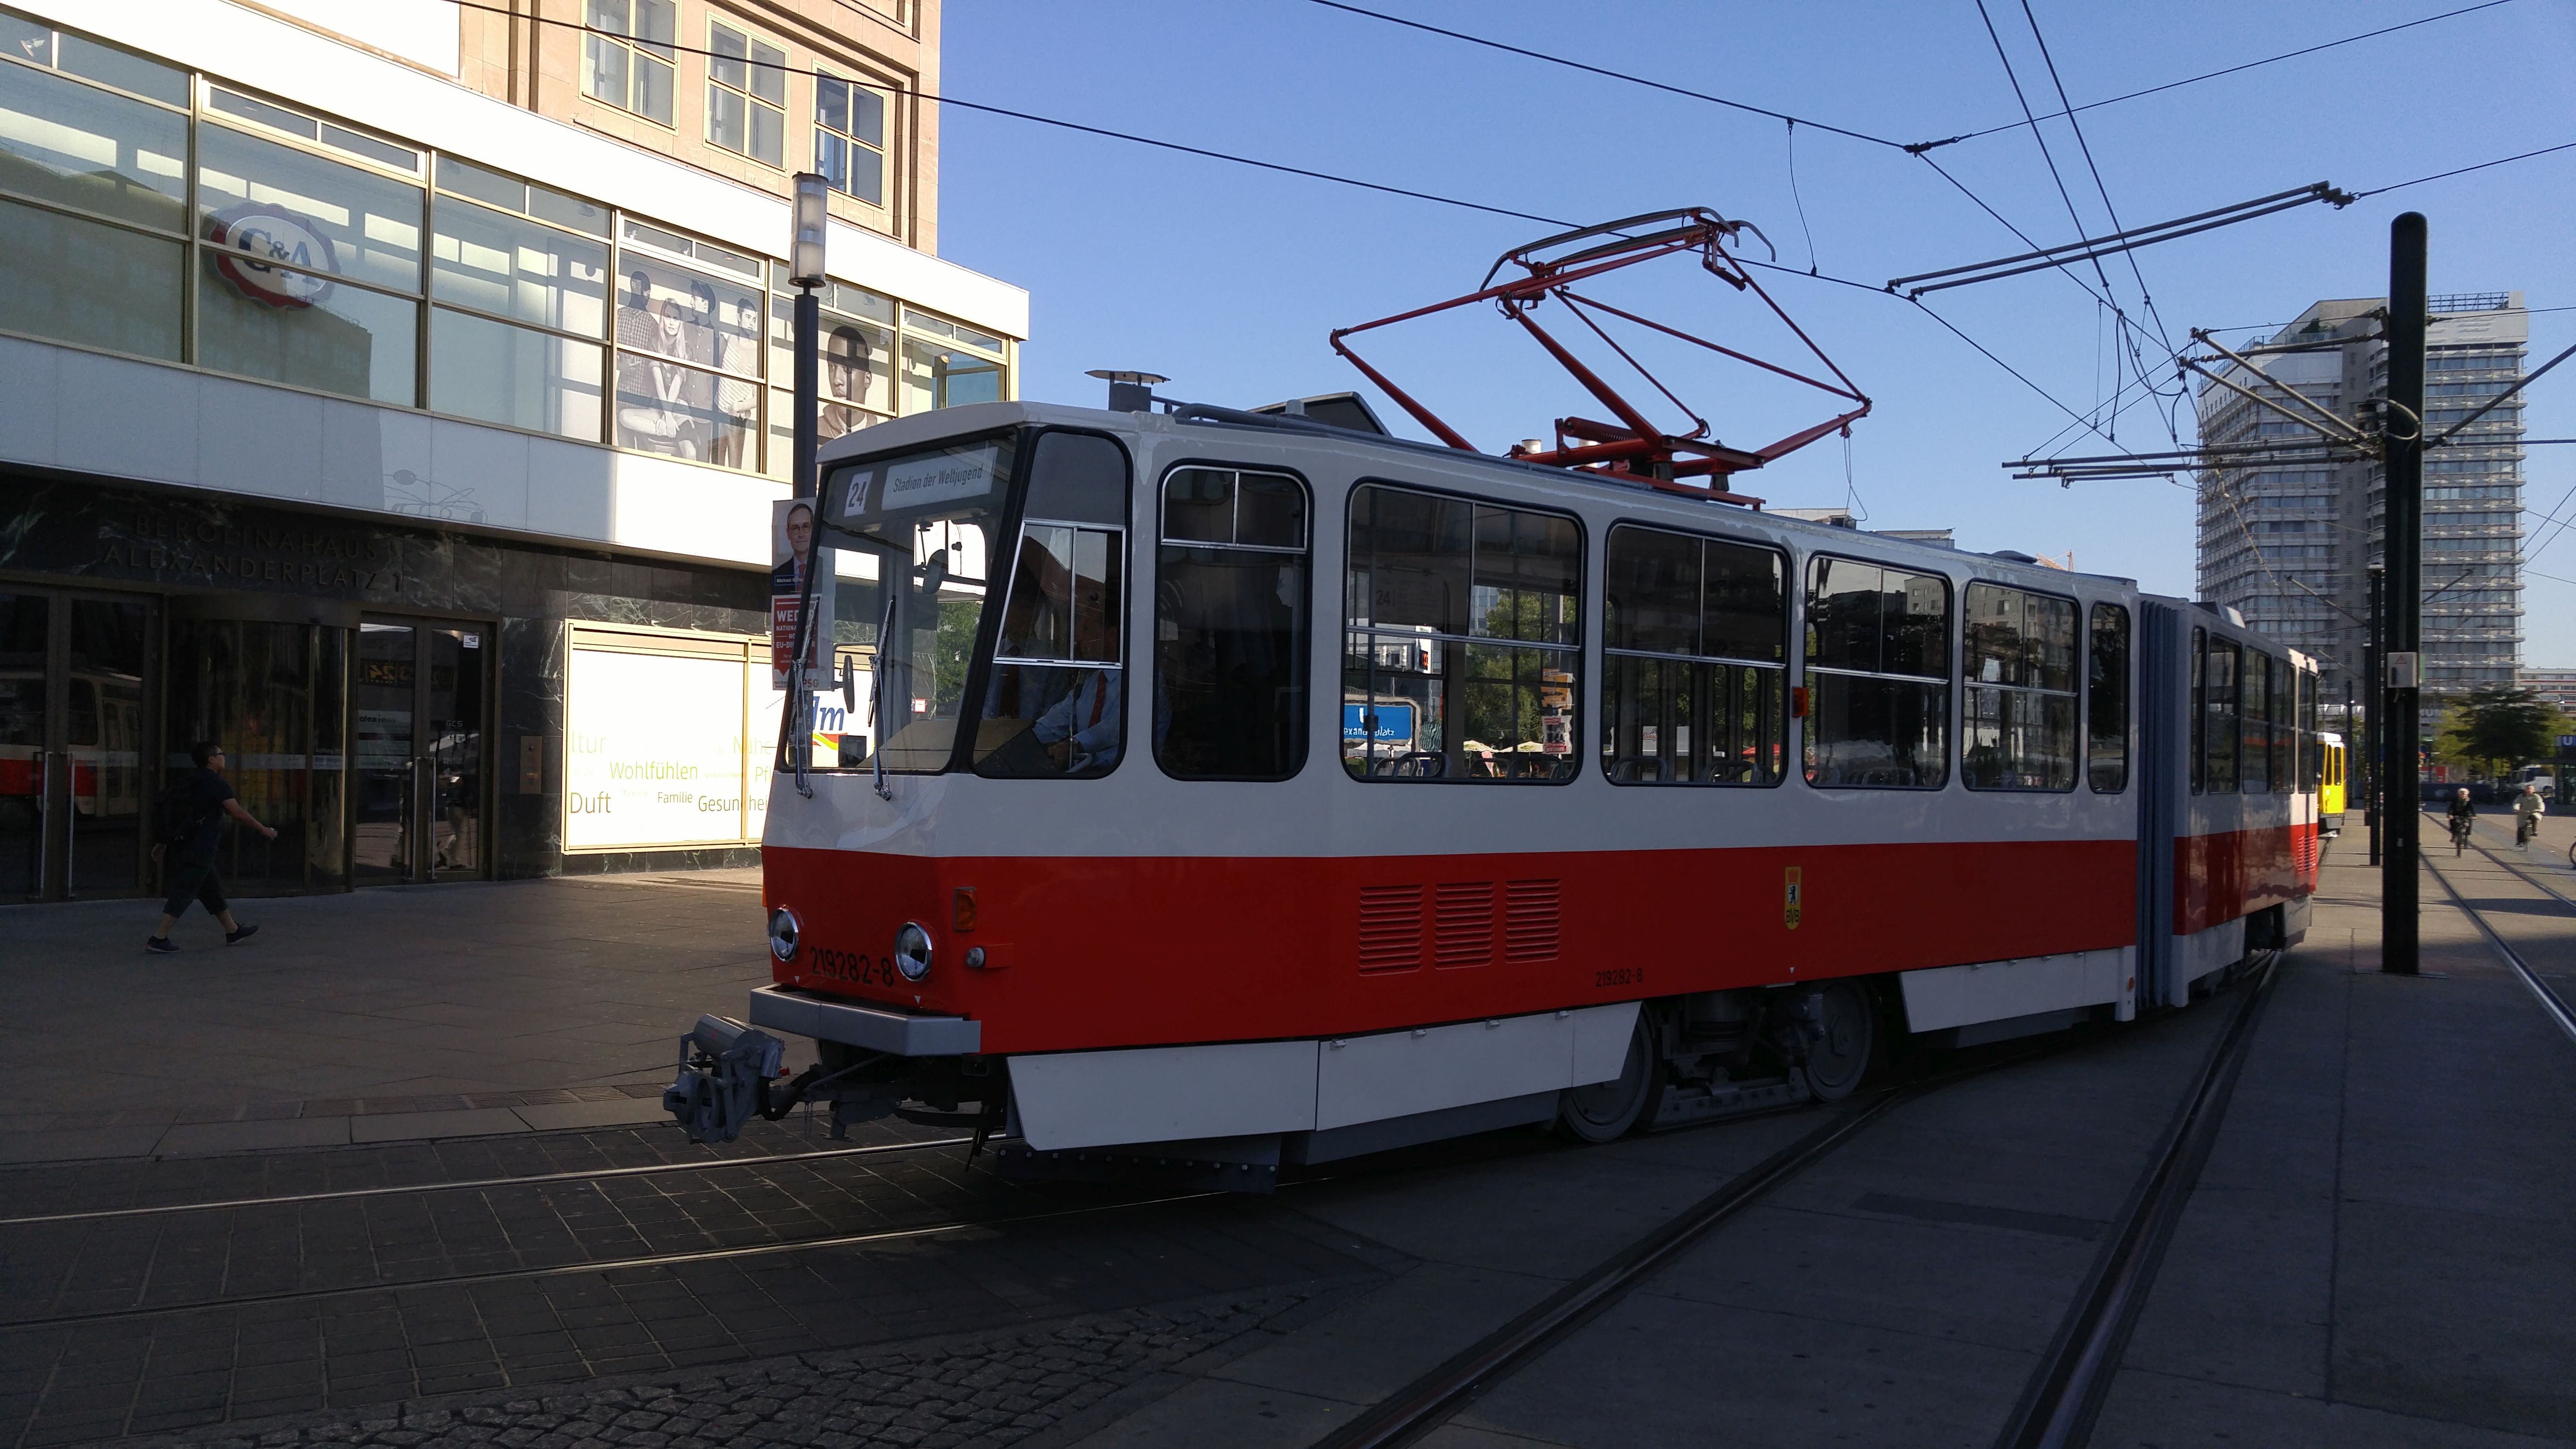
{"x":924,"y":429}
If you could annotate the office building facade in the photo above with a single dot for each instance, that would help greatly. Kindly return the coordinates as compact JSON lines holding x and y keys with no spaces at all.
{"x":399,"y":394}
{"x":2290,"y":545}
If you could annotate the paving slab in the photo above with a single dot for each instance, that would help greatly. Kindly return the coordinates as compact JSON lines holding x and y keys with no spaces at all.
{"x":268,"y":1136}
{"x":471,"y":989}
{"x":559,"y":1116}
{"x":2379,"y":1252}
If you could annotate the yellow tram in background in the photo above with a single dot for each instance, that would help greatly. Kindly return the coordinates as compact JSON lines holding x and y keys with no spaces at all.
{"x":2330,"y":751}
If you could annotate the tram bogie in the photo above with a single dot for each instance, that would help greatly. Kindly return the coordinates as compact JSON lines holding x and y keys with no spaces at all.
{"x":1252,"y":792}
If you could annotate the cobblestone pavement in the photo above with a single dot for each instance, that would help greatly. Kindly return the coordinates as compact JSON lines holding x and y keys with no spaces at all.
{"x":157,"y":1369}
{"x":990,"y":1389}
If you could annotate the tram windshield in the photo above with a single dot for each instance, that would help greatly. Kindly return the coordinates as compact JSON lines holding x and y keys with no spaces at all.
{"x":930,"y":518}
{"x":1047,"y":696}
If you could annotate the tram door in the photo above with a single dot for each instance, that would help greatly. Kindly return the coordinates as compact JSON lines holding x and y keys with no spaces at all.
{"x":72,"y":778}
{"x":420,"y":697}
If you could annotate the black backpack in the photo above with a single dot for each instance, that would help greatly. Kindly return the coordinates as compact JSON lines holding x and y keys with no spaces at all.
{"x":174,"y":812}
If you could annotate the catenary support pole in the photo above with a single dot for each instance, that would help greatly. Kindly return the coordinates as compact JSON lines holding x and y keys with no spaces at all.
{"x":2372,"y":670}
{"x":2403,"y":552}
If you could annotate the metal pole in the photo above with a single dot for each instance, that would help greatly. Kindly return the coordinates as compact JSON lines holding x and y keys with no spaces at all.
{"x":2372,"y":671}
{"x":2404,"y":553}
{"x":809,"y":388}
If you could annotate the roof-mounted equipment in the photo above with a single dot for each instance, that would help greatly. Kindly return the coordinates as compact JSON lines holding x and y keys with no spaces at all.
{"x":1632,"y":448}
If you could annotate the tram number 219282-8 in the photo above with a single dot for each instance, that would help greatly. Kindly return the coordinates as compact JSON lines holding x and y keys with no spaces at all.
{"x":1620,"y":976}
{"x":855,"y":969}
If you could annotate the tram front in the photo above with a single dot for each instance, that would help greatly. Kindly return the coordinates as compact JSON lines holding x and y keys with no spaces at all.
{"x":995,"y":608}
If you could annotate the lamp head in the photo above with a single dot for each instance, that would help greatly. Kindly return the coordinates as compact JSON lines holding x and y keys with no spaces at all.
{"x":805,"y":257}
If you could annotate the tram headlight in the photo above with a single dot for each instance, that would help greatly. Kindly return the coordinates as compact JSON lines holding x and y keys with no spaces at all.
{"x":912,"y":951}
{"x":783,"y":931}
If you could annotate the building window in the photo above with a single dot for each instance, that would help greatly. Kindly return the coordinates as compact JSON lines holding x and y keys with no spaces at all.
{"x":953,"y":366}
{"x":849,"y":137}
{"x":630,"y":66}
{"x":689,"y":352}
{"x":1878,"y":676}
{"x":312,"y":269}
{"x":95,"y":166}
{"x":746,"y":95}
{"x":1696,"y":634}
{"x":2019,"y":725}
{"x":858,"y":353}
{"x":544,"y":374}
{"x":1230,"y":626}
{"x":1464,"y":653}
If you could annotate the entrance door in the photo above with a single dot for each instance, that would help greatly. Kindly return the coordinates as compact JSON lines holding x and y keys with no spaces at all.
{"x":419,"y":769}
{"x":72,"y":761}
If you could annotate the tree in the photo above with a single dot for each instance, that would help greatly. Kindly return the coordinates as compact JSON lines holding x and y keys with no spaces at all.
{"x":2501,"y":726}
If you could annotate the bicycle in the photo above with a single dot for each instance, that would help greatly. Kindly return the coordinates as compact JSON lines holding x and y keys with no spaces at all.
{"x":2460,"y":828}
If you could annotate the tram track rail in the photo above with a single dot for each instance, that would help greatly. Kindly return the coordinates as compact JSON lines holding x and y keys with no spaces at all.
{"x":2553,"y":1005}
{"x":2065,"y":1393}
{"x":670,"y":1259}
{"x":476,"y":1184}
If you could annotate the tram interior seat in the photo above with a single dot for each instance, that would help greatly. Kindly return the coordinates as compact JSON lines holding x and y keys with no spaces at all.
{"x":1414,"y":765}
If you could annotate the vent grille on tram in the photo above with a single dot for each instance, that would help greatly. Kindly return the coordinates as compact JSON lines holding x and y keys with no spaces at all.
{"x":1456,"y":919}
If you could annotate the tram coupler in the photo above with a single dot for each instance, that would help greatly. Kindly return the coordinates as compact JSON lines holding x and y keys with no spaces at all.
{"x":725,"y":1070}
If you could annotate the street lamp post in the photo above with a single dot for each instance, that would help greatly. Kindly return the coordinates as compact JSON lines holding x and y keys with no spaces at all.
{"x":805,"y":269}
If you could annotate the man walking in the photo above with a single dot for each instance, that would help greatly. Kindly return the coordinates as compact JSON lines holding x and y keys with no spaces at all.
{"x":193,"y":837}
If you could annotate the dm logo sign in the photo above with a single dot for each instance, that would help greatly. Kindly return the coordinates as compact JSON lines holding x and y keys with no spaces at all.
{"x":253,"y":237}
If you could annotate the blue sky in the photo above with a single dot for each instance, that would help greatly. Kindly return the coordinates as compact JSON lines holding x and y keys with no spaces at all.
{"x":1227,"y":279}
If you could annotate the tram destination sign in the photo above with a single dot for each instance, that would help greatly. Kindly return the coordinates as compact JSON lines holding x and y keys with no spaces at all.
{"x":923,"y":482}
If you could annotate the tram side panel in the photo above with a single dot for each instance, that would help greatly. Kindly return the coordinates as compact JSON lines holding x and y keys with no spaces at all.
{"x":1083,"y":953}
{"x":2229,"y":857}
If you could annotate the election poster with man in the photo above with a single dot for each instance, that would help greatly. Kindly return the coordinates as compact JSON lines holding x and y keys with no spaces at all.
{"x":794,"y":555}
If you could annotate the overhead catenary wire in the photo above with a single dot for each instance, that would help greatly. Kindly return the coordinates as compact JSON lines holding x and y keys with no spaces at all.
{"x":1412,"y":193}
{"x":2146,"y":297}
{"x":1030,"y":116}
{"x":1616,"y":75}
{"x":2050,"y":158}
{"x":2463,"y":170}
{"x":2230,"y":70}
{"x":1916,"y":147}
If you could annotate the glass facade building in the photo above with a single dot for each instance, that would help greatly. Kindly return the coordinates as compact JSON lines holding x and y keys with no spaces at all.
{"x":2290,"y":546}
{"x":406,"y":411}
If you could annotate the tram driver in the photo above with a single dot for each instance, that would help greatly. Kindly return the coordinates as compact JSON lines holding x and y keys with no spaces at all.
{"x":1082,"y":730}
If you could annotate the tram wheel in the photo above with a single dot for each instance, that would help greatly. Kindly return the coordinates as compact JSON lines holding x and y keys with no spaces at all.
{"x":1846,"y":1043}
{"x":1608,"y":1110}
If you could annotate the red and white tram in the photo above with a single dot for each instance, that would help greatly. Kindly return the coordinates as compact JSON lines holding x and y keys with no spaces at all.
{"x":1252,"y":791}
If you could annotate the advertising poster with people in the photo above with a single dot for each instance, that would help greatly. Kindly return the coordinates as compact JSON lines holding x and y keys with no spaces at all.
{"x":794,"y":554}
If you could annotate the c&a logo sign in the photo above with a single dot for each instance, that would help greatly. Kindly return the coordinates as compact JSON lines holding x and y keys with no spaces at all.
{"x":256,"y":235}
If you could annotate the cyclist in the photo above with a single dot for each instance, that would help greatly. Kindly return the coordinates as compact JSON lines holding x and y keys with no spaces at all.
{"x":2463,"y":816}
{"x":2528,"y":807}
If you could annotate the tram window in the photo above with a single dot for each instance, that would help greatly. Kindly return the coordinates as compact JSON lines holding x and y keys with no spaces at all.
{"x":1463,"y":656}
{"x":2311,"y":751}
{"x":2254,"y":759}
{"x":2285,"y":723}
{"x":1683,"y":699}
{"x":1878,"y":676}
{"x":2199,"y":750}
{"x":1230,"y":626}
{"x":2220,"y":716}
{"x":931,"y":519}
{"x":2017,"y":727}
{"x":1055,"y":699}
{"x":2107,"y":700}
